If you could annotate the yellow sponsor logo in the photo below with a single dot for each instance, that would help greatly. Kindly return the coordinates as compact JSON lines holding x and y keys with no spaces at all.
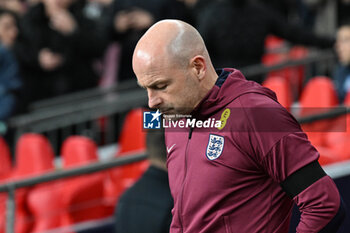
{"x":224,"y":116}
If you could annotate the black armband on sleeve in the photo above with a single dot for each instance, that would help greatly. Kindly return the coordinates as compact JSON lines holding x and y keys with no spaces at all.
{"x":302,"y":178}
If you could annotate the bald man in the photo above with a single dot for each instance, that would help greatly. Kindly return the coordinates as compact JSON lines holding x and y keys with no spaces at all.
{"x":244,"y":174}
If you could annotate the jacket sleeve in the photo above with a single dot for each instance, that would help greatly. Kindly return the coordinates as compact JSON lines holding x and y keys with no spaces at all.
{"x":288,"y":157}
{"x":303,"y":180}
{"x":321,"y":207}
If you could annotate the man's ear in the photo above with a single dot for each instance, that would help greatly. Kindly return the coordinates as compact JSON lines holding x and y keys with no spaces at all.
{"x":198,"y":66}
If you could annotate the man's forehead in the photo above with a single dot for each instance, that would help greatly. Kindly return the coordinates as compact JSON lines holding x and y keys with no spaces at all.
{"x":146,"y":61}
{"x":151,"y":78}
{"x":143,"y":56}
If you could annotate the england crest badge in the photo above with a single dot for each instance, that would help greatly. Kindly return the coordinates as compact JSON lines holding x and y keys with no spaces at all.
{"x":215,"y":146}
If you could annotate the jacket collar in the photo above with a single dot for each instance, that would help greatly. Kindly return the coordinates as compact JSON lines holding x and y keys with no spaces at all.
{"x":230,"y":85}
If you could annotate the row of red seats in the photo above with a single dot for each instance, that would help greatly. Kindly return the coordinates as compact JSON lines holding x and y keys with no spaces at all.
{"x":68,"y":201}
{"x":330,"y":136}
{"x":278,"y":53}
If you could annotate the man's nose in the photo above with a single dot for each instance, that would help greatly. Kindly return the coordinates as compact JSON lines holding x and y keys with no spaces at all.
{"x":154,"y":100}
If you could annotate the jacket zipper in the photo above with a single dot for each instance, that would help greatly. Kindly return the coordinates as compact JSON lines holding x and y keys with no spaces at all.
{"x":183,"y":183}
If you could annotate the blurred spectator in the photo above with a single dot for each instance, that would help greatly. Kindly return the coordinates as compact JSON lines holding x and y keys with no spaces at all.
{"x":94,"y":8}
{"x":15,"y":6}
{"x":282,"y":6}
{"x":10,"y":81}
{"x":146,"y":206}
{"x":32,"y":2}
{"x":342,"y":71}
{"x":324,"y":15}
{"x":196,"y":8}
{"x":343,"y":10}
{"x":56,"y":48}
{"x":236,"y":38}
{"x":129,"y":19}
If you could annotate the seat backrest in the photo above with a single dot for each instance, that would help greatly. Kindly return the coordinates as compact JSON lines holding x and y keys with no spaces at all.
{"x":34,"y":155}
{"x":318,"y":95}
{"x":132,"y":137}
{"x":78,"y":150}
{"x":347,"y":99}
{"x":83,"y":199}
{"x":5,"y":159}
{"x":280,"y":86}
{"x":132,"y":140}
{"x":298,"y":52}
{"x":273,"y":42}
{"x":82,"y":196}
{"x":44,"y":202}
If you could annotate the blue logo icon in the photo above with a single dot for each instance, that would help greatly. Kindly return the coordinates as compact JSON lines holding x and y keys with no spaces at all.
{"x":151,"y":120}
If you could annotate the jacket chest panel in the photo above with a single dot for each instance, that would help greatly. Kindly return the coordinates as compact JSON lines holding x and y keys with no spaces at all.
{"x":190,"y":168}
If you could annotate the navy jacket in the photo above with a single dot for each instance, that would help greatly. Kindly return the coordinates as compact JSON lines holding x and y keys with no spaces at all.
{"x":146,"y":206}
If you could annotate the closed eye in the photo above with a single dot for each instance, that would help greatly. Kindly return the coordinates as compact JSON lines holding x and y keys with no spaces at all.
{"x":159,"y":86}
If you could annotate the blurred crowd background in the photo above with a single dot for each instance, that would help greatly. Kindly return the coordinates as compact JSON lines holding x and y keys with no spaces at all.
{"x":54,"y":47}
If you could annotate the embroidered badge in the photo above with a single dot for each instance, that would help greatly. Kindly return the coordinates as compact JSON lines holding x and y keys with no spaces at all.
{"x":224,"y":117}
{"x":215,"y":146}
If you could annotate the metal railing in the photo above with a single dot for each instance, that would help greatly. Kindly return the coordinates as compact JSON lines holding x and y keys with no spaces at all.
{"x":328,"y":114}
{"x":82,"y":96}
{"x":80,"y":118}
{"x":323,"y":56}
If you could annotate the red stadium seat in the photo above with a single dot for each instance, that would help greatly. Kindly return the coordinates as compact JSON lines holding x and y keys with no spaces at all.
{"x":3,"y":198}
{"x":273,"y":42}
{"x":297,"y":53}
{"x":82,"y":196}
{"x":132,"y":140}
{"x":78,"y":150}
{"x":132,"y":137}
{"x":34,"y":156}
{"x":290,"y":74}
{"x":5,"y":173}
{"x":5,"y":160}
{"x":338,"y":139}
{"x":44,"y":202}
{"x":281,"y":88}
{"x":319,"y":96}
{"x":347,"y":99}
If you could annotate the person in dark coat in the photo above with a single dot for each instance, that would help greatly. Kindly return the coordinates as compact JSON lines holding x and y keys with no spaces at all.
{"x":242,"y":27}
{"x":127,"y":21}
{"x":146,"y":206}
{"x":56,"y":48}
